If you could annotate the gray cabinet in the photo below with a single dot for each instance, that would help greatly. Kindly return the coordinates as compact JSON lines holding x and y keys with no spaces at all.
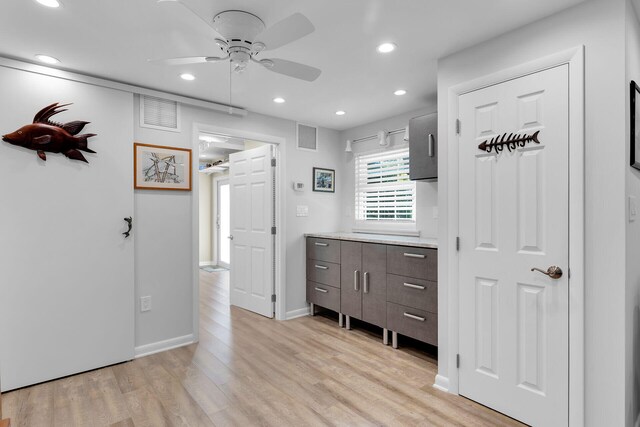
{"x":423,"y":148}
{"x":350,"y":279}
{"x":363,"y":288}
{"x":393,"y":287}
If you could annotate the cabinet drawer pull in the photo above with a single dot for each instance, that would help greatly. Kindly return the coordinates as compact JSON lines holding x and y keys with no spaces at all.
{"x":321,"y":244}
{"x":410,"y":255}
{"x":414,"y":317}
{"x":324,"y":291}
{"x":412,"y":286}
{"x":322,"y":267}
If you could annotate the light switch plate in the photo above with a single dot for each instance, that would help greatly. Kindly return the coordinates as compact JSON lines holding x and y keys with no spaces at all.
{"x":145,"y":304}
{"x":302,"y":210}
{"x":633,"y":208}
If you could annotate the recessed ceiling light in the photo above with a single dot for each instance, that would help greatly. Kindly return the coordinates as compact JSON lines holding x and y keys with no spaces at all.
{"x":187,"y":76}
{"x":386,"y":47}
{"x":47,"y":59}
{"x":400,"y":92}
{"x":278,"y":100}
{"x":340,"y":113}
{"x":49,"y":3}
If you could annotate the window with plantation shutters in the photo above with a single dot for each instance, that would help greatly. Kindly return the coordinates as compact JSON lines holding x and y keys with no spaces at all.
{"x":384,"y":193}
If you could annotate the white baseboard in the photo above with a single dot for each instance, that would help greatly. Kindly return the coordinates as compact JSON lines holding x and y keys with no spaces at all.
{"x":206,"y":263}
{"x":170,"y":344}
{"x":442,"y":383}
{"x":297,"y":313}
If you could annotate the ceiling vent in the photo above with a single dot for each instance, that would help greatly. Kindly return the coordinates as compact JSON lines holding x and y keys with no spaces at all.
{"x":307,"y":137}
{"x":158,"y":113}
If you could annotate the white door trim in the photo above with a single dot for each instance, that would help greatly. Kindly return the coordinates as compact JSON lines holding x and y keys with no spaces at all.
{"x":280,"y":154}
{"x":215,"y":189}
{"x":575,"y":59}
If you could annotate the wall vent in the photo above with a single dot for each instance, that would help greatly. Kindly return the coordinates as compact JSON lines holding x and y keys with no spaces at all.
{"x":158,"y":113}
{"x":307,"y":137}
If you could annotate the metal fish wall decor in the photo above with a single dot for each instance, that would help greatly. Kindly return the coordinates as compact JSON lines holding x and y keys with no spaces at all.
{"x":45,"y":135}
{"x":512,"y":141}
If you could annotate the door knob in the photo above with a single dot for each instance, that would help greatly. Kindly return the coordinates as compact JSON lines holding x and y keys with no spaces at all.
{"x":230,"y":237}
{"x":553,"y":271}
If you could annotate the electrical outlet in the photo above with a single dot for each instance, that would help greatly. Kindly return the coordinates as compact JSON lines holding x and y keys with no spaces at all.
{"x":435,"y":212}
{"x":145,"y":303}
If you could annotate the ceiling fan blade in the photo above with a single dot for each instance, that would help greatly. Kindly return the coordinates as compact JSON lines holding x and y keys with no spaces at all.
{"x":286,"y":31}
{"x":293,"y":69}
{"x":187,"y":60}
{"x":200,"y":12}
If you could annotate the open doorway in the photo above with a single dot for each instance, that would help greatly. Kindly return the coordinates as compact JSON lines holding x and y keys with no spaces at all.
{"x":237,"y":201}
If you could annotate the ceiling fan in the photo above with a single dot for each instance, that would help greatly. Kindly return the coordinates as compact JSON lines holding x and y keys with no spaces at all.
{"x":242,"y":36}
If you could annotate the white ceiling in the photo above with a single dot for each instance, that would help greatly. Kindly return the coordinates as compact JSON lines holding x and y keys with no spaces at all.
{"x":114,"y":39}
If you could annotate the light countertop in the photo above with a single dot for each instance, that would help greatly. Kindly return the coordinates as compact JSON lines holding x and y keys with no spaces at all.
{"x":379,"y":238}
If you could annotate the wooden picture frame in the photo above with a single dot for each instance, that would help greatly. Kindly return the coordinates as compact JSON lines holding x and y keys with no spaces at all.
{"x":635,"y":125}
{"x":324,"y":180}
{"x":157,"y":167}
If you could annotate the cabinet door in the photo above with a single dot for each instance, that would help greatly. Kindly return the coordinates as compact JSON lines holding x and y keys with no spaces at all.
{"x":423,"y":148}
{"x":374,"y":288}
{"x":351,"y":279}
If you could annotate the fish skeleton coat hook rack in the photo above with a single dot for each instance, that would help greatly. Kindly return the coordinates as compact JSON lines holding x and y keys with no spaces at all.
{"x":512,"y":142}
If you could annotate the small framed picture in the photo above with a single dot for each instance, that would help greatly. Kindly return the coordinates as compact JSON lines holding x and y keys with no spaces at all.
{"x":161,"y":168}
{"x":635,"y":125}
{"x":324,"y":180}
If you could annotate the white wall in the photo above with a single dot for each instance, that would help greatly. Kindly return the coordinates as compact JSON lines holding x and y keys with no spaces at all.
{"x":426,"y":192}
{"x":632,"y":298}
{"x":599,"y":25}
{"x":206,"y":217}
{"x":164,"y":222}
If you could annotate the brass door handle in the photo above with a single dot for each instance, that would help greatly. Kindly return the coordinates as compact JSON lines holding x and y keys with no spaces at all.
{"x":554,"y":272}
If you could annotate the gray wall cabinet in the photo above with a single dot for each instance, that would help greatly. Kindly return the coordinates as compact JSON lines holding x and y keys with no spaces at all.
{"x":423,"y":148}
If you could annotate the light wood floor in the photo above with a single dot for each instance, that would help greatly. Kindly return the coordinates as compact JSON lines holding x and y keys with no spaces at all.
{"x":248,"y":370}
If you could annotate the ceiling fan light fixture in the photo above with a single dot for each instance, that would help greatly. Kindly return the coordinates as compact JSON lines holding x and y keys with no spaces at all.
{"x":187,"y":77}
{"x":47,"y":59}
{"x":50,"y":3}
{"x":258,"y":47}
{"x":387,"y":47}
{"x":279,"y":100}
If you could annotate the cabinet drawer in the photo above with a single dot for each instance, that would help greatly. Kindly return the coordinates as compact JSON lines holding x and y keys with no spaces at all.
{"x":415,"y":293}
{"x":323,"y":272}
{"x":420,"y":263}
{"x":323,"y":249}
{"x":413,"y":323}
{"x":323,"y":295}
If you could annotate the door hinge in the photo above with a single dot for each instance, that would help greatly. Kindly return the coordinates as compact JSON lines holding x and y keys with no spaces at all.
{"x":458,"y":361}
{"x":273,"y":162}
{"x":273,"y":298}
{"x":457,"y":244}
{"x":458,"y":126}
{"x":273,"y":230}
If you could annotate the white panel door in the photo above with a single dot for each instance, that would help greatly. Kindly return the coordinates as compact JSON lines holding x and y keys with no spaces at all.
{"x":66,"y":282}
{"x":251,"y":186}
{"x":513,"y":217}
